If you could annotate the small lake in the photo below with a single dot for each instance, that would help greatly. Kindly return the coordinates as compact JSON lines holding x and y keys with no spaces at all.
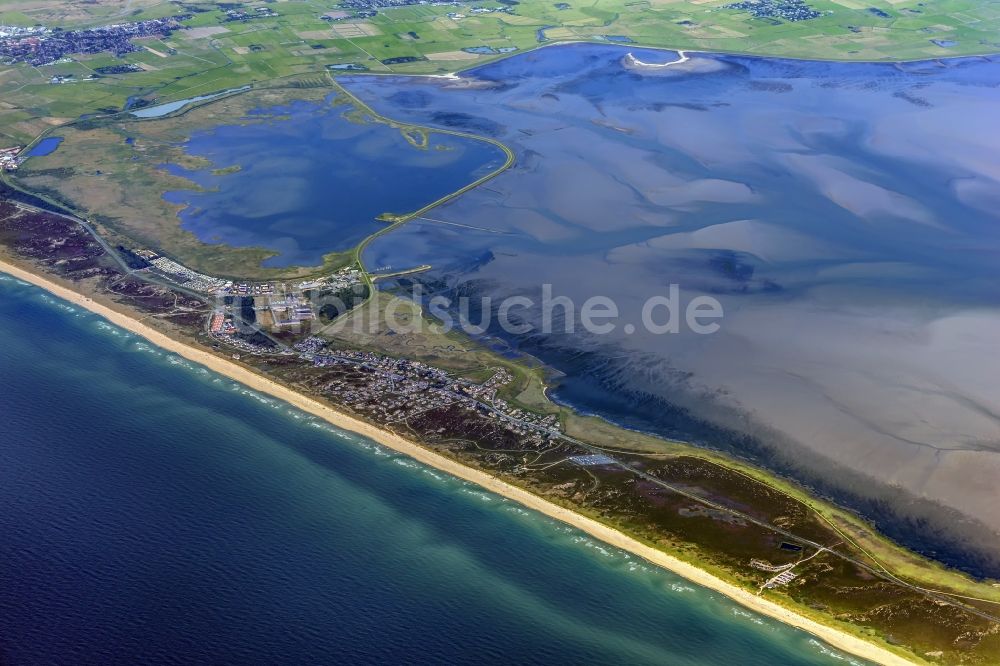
{"x":304,"y":181}
{"x":46,"y":146}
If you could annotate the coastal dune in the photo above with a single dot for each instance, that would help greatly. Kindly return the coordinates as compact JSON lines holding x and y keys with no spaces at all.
{"x":838,"y":639}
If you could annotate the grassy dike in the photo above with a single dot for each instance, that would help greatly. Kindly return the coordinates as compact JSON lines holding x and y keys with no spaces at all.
{"x":397,"y":221}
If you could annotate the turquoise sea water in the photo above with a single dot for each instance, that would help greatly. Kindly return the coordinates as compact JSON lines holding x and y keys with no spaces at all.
{"x":154,"y":512}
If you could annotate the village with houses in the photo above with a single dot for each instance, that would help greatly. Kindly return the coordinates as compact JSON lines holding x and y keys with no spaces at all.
{"x":10,"y":158}
{"x":398,"y":390}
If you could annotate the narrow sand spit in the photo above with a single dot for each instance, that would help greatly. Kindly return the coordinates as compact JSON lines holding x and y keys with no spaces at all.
{"x":834,"y":637}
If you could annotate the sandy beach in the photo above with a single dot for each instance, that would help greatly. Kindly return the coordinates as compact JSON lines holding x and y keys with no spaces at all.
{"x":682,"y":57}
{"x":838,"y":639}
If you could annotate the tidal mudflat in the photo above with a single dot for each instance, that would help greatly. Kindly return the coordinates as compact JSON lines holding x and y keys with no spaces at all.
{"x":304,"y":180}
{"x":844,"y":214}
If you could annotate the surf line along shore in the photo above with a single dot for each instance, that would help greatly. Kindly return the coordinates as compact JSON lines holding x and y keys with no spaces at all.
{"x":835,"y":637}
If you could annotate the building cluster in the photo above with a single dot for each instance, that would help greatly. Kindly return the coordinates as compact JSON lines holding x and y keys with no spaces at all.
{"x":491,"y":10}
{"x":784,"y":578}
{"x":251,"y":289}
{"x":248,"y":345}
{"x":342,"y":279}
{"x":71,"y":78}
{"x":282,"y":306}
{"x":220,"y":324}
{"x":41,"y":46}
{"x":384,"y":389}
{"x":20,"y":31}
{"x":9,"y":160}
{"x":182,"y":275}
{"x":289,"y":310}
{"x":228,"y":325}
{"x":593,"y":460}
{"x":345,"y":278}
{"x":264,"y":306}
{"x":395,"y":367}
{"x":789,"y":10}
{"x":549,"y":422}
{"x":310,"y":346}
{"x":247,"y":15}
{"x":762,"y":565}
{"x":370,"y":5}
{"x":394,"y":390}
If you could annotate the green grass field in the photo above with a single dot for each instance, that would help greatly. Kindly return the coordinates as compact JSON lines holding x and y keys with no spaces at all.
{"x":215,"y":54}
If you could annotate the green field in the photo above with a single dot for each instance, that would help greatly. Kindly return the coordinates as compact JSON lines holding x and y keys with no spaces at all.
{"x":215,"y":54}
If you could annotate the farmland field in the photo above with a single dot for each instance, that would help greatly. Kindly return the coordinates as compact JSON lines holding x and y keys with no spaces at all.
{"x":301,"y":38}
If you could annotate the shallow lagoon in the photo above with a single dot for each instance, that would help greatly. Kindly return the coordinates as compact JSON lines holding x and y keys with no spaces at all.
{"x":844,"y":214}
{"x":311,"y":182}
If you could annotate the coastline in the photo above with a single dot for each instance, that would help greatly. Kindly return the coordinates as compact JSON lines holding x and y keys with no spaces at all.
{"x":833,"y":636}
